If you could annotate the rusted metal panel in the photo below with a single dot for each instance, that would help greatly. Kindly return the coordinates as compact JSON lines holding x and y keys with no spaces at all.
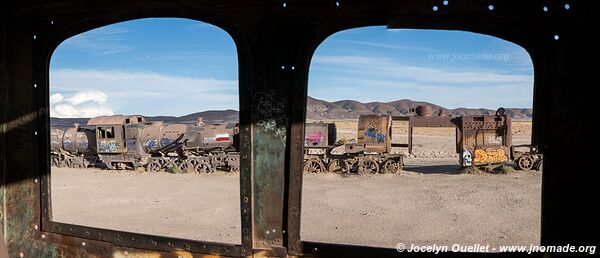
{"x":116,"y":120}
{"x":268,"y":158}
{"x":276,"y":37}
{"x":319,"y":134}
{"x":111,"y":139}
{"x":374,"y":133}
{"x":484,"y":139}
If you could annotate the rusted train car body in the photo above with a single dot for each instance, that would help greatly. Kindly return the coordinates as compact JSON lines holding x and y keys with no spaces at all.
{"x":483,"y":140}
{"x":270,"y":35}
{"x":128,"y":142}
{"x":73,"y":147}
{"x":372,"y":153}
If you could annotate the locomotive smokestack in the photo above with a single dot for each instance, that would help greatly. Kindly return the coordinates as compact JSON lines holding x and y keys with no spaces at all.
{"x":426,"y":111}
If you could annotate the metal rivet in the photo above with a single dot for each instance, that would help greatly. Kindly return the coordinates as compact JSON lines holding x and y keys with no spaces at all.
{"x":43,"y":236}
{"x":268,"y":232}
{"x":34,"y":36}
{"x":283,"y":67}
{"x":545,"y":8}
{"x":126,"y":253}
{"x":35,"y":227}
{"x":35,"y":180}
{"x":337,"y":3}
{"x":284,"y":5}
{"x":21,"y":254}
{"x":491,"y":7}
{"x":246,"y":199}
{"x":445,"y":2}
{"x":35,"y":85}
{"x":51,"y":22}
{"x":435,"y":8}
{"x":556,"y":37}
{"x":83,"y":243}
{"x":567,"y":6}
{"x":35,"y":133}
{"x":293,"y":67}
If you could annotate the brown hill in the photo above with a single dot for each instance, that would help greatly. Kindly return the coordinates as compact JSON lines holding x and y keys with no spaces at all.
{"x":322,"y":110}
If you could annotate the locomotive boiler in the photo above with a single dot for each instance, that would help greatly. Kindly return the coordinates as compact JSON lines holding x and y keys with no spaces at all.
{"x":73,"y":147}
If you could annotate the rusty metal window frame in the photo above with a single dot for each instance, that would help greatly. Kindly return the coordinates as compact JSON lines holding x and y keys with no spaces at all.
{"x":297,"y":246}
{"x":51,"y":22}
{"x":78,"y":235}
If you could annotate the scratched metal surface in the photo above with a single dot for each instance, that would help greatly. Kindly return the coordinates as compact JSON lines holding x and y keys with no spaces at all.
{"x":271,"y":39}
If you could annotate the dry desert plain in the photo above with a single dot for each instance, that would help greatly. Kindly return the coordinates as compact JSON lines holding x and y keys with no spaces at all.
{"x":429,"y":203}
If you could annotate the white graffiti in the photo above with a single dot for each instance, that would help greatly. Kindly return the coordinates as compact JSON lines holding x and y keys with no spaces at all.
{"x":494,"y":139}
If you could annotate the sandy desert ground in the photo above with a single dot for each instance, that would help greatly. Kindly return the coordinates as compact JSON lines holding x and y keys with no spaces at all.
{"x":430,"y":203}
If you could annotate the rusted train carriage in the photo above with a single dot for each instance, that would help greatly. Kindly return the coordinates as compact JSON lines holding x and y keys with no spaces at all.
{"x":370,"y":154}
{"x":128,"y":142}
{"x":483,"y":139}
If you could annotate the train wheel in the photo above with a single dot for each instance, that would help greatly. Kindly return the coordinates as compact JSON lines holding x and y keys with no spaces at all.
{"x":69,"y":162}
{"x":169,"y":165}
{"x":233,"y":163}
{"x":368,"y":166}
{"x":54,"y":161}
{"x":347,"y":165}
{"x":313,"y":166}
{"x":334,"y":166}
{"x":390,"y":166}
{"x":186,"y":166}
{"x":525,"y":162}
{"x":153,"y":166}
{"x":203,"y":167}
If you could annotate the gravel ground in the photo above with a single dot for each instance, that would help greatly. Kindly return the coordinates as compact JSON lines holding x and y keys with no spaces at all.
{"x":429,"y":204}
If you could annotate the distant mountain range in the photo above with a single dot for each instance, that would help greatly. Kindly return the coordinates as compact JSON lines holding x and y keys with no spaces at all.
{"x":322,"y":110}
{"x":210,"y":117}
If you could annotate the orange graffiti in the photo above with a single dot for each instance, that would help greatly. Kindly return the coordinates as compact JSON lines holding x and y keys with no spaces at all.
{"x":490,"y":155}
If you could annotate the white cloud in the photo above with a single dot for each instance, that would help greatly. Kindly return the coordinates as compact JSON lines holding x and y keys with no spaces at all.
{"x":386,"y":68}
{"x":101,"y":41}
{"x":147,"y":93}
{"x":383,"y":79}
{"x":385,"y":45}
{"x":79,"y":104}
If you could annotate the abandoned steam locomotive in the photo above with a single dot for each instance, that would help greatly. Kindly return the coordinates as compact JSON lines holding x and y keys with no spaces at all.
{"x":128,"y":142}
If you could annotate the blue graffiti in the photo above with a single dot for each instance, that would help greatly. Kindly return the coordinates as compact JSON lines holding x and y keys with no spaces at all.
{"x":131,"y":145}
{"x":151,"y":144}
{"x":68,"y":144}
{"x":372,"y":133}
{"x":165,"y":141}
{"x":107,"y":146}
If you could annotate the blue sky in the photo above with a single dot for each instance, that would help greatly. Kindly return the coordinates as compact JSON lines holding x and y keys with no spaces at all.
{"x":180,"y":66}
